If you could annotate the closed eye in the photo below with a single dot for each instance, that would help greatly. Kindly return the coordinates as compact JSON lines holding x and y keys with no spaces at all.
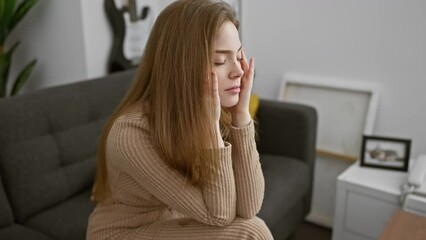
{"x":222,"y":63}
{"x":219,"y":63}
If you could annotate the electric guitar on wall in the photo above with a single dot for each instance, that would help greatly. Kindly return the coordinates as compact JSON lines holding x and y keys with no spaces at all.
{"x":131,"y":22}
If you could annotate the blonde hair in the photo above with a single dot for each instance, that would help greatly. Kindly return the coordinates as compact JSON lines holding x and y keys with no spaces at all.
{"x":171,"y":85}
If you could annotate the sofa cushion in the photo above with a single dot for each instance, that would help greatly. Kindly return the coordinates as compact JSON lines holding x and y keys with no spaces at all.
{"x":18,"y":232}
{"x":287,"y":181}
{"x":48,"y":147}
{"x":47,"y":171}
{"x":6,"y":216}
{"x":65,"y":221}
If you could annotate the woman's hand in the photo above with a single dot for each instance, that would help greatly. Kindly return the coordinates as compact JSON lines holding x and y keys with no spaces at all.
{"x":240,"y":112}
{"x":217,"y":108}
{"x":215,"y":97}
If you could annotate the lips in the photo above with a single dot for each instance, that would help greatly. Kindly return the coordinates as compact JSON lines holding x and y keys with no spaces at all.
{"x":233,"y":88}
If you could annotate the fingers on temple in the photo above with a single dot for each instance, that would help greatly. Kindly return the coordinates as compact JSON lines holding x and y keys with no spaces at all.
{"x":244,"y":64}
{"x":251,"y":66}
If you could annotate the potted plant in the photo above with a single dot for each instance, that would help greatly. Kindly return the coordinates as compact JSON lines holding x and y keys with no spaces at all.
{"x":9,"y":18}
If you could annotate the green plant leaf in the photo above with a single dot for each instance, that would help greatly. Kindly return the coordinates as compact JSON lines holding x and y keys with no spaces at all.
{"x":21,"y":11}
{"x":5,"y":60}
{"x":1,"y":10}
{"x":9,"y":6}
{"x":6,"y":11}
{"x":3,"y":77}
{"x":22,"y":78}
{"x":12,"y":49}
{"x":8,"y":58}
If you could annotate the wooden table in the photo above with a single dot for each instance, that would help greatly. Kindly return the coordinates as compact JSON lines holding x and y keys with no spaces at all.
{"x":405,"y":225}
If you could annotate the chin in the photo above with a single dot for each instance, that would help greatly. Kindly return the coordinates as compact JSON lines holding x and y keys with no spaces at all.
{"x":229,"y":102}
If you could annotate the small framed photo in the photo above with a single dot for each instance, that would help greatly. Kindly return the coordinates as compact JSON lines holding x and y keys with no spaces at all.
{"x":385,"y":152}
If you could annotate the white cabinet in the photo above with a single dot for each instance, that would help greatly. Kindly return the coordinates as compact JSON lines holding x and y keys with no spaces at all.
{"x":366,"y":198}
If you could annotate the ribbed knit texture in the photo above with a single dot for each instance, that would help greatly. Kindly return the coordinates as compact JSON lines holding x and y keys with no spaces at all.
{"x":149,"y":200}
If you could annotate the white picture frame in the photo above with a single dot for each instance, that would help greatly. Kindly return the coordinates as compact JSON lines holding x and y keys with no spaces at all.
{"x":346,"y":110}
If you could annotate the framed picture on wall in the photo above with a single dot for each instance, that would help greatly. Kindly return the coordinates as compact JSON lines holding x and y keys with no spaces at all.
{"x":385,"y":153}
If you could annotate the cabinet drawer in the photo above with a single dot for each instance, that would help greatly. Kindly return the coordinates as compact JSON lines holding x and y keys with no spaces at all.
{"x":366,"y":215}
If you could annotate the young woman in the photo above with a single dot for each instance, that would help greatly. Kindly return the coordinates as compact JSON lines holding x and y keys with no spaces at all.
{"x":178,"y":159}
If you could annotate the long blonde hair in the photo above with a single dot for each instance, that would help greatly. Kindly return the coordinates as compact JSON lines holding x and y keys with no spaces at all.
{"x":171,"y":85}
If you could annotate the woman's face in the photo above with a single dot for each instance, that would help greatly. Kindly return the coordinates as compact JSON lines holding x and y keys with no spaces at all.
{"x":227,"y":64}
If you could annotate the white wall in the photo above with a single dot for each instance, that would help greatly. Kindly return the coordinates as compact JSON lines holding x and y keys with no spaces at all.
{"x":97,"y":37}
{"x":380,"y":41}
{"x":51,"y":32}
{"x":70,"y":39}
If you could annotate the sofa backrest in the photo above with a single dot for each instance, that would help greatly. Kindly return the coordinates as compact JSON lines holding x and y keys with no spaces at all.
{"x":6,"y":216}
{"x":48,"y":140}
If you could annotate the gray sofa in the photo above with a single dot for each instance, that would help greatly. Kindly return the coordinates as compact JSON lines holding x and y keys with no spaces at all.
{"x":48,"y":142}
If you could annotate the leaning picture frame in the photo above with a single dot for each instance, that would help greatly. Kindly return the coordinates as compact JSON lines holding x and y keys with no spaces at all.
{"x":346,"y":110}
{"x":385,"y":152}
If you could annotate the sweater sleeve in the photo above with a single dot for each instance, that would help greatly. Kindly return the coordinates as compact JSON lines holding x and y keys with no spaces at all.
{"x":249,"y":180}
{"x":213,"y":204}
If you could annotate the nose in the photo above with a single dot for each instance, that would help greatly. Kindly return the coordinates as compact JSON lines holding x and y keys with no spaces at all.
{"x":237,"y":72}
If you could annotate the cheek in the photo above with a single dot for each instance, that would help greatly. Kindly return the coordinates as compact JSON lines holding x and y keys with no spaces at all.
{"x":221,"y":78}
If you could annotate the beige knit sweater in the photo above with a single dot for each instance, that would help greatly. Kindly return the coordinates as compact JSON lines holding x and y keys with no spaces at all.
{"x":145,"y":192}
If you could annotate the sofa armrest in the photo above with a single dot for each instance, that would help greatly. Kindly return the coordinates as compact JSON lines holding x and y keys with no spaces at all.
{"x":287,"y":129}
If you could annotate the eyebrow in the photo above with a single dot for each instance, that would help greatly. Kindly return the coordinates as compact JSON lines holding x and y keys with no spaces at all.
{"x":228,"y":51}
